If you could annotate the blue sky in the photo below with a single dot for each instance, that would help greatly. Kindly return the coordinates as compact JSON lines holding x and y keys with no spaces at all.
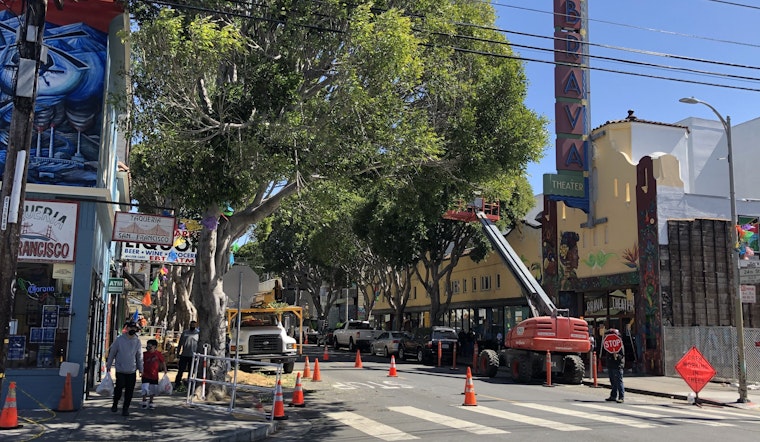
{"x":699,"y":29}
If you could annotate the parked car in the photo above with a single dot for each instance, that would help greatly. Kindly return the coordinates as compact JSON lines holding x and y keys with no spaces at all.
{"x":428,"y":339}
{"x":355,"y":334}
{"x":395,"y":343}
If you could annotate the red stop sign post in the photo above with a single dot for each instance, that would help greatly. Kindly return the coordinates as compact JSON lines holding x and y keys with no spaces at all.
{"x":695,"y":370}
{"x":612,"y":343}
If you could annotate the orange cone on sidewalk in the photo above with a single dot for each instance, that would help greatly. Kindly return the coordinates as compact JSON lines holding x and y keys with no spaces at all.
{"x":306,"y":372}
{"x":392,"y":371}
{"x":298,"y":393}
{"x":9,"y":416}
{"x":358,"y":363}
{"x":316,"y":377}
{"x":67,"y":401}
{"x":325,"y":355}
{"x":278,"y":411}
{"x":469,"y":393}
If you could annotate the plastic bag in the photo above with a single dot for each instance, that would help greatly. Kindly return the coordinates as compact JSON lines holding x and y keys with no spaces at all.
{"x":149,"y":389}
{"x":165,"y":385}
{"x":106,"y":386}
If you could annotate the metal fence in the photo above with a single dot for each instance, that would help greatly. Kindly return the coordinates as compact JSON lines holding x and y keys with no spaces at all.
{"x":718,"y":346}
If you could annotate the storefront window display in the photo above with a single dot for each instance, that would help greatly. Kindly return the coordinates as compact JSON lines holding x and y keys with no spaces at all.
{"x":41,"y":316}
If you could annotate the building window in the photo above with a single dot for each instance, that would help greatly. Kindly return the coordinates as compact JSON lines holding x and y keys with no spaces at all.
{"x":485,"y":283}
{"x":455,"y":287}
{"x":474,"y":284}
{"x":464,"y":285}
{"x":414,"y":292}
{"x":498,"y":280}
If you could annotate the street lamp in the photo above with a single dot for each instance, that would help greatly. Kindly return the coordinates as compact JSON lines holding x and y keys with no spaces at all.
{"x":733,"y":248}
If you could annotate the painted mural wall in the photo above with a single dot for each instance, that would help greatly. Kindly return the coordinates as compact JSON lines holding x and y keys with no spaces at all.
{"x":68,"y":118}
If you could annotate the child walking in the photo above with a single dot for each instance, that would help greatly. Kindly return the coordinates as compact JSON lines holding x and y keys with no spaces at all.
{"x":153,"y":361}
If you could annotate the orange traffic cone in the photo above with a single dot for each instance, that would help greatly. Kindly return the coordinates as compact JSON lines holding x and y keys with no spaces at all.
{"x":278,"y":411}
{"x":392,"y":371}
{"x":67,"y":401}
{"x":316,"y":377}
{"x":306,"y":372}
{"x":9,"y":416}
{"x":298,"y":393}
{"x":325,"y":355}
{"x":469,"y":376}
{"x":469,"y":393}
{"x":358,"y":363}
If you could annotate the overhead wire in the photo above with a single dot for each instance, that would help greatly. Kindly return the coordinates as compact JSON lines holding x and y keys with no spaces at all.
{"x":517,"y":57}
{"x":641,"y":28}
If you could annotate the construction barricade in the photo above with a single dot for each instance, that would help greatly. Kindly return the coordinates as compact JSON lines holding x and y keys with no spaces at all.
{"x":197,"y":383}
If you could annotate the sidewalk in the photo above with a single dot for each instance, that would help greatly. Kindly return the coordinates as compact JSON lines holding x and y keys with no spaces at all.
{"x":173,"y":420}
{"x":716,"y":393}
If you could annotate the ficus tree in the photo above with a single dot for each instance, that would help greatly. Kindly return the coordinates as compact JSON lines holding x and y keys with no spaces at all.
{"x":238,"y":106}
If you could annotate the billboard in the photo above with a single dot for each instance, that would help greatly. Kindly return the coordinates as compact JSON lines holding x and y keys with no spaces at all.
{"x":182,"y":252}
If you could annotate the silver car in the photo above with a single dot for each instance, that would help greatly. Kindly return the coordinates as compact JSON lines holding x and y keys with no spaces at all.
{"x":388,"y":342}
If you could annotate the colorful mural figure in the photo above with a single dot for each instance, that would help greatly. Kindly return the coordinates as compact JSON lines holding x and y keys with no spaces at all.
{"x":568,"y":254}
{"x":68,"y":113}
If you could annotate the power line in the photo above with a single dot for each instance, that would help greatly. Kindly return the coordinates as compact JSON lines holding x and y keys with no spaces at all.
{"x":600,"y":57}
{"x":641,"y":28}
{"x":636,"y":74}
{"x":207,"y":10}
{"x":735,"y":4}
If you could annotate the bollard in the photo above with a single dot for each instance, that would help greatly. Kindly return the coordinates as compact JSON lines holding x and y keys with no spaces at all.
{"x":593,"y":369}
{"x":454,"y":358}
{"x":548,"y":369}
{"x":475,"y":359}
{"x":440,"y":353}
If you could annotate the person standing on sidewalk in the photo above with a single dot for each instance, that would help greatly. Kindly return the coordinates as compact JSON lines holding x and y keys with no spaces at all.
{"x":126,"y":353}
{"x":188,"y":345}
{"x":615,"y":363}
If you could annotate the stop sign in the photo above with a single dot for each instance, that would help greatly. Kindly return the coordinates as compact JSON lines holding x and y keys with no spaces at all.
{"x":612,"y":343}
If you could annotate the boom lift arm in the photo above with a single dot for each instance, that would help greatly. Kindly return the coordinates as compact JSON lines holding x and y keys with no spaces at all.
{"x":539,"y":302}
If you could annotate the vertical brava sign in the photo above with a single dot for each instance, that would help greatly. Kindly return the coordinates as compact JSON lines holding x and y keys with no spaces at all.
{"x":570,"y":184}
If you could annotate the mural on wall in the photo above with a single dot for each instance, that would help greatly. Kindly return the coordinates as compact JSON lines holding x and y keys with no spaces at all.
{"x":549,"y":247}
{"x":598,"y":260}
{"x":65,"y":148}
{"x":631,"y":257}
{"x":568,"y":256}
{"x":648,"y":314}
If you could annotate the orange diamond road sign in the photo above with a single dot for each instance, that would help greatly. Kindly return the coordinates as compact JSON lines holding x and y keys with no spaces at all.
{"x":695,"y":370}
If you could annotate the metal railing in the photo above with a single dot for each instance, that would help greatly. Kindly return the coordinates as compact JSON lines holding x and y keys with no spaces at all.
{"x":196,"y":382}
{"x":718,"y":345}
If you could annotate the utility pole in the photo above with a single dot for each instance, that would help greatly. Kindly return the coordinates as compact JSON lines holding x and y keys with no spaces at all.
{"x":12,"y":194}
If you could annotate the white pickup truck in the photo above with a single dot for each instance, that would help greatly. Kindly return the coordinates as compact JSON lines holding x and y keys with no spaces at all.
{"x":355,"y":334}
{"x":263,"y":337}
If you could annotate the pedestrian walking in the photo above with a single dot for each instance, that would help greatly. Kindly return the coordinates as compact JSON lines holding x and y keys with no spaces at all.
{"x":615,"y":364}
{"x":153,"y":361}
{"x":125,"y":353}
{"x":188,"y":345}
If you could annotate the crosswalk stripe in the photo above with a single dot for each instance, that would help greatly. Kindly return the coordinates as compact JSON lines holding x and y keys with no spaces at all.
{"x":537,"y":421}
{"x":687,"y":413}
{"x":644,"y":414}
{"x":370,"y":427}
{"x":447,"y":421}
{"x":583,"y":415}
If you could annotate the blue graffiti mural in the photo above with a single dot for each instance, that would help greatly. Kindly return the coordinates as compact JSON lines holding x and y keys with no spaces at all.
{"x":65,"y":147}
